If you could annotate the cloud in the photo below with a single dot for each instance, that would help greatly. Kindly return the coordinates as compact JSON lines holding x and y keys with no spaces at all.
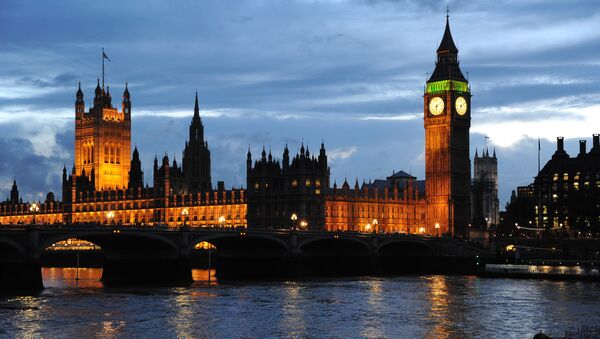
{"x":341,"y":153}
{"x":349,"y":71}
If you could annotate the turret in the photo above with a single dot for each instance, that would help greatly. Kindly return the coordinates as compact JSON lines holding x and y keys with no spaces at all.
{"x":323,"y":157}
{"x":248,"y":160}
{"x":126,"y":101}
{"x":107,"y":98}
{"x":286,"y":158}
{"x":79,"y":104}
{"x":98,"y":95}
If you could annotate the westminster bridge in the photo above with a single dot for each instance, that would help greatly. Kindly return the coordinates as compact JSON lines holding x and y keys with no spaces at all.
{"x":162,"y":255}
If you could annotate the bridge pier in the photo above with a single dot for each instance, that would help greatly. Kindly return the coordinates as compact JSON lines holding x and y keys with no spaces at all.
{"x":141,"y":268}
{"x":20,"y":276}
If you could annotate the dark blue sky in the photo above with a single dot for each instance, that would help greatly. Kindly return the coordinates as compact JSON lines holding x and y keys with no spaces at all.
{"x":350,"y":72}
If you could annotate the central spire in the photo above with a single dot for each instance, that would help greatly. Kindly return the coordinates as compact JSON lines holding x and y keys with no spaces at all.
{"x":196,"y":108}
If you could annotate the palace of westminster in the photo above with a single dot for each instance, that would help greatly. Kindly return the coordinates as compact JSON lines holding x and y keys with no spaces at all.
{"x":106,"y":186}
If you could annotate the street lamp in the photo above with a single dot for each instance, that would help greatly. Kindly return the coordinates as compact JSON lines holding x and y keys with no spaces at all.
{"x":303,"y":224}
{"x":34,"y":208}
{"x":368,"y":228}
{"x":437,"y":229}
{"x":184,"y":214}
{"x":375,"y":225}
{"x":110,"y":216}
{"x":294,"y":217}
{"x":221,"y":221}
{"x":422,"y":230}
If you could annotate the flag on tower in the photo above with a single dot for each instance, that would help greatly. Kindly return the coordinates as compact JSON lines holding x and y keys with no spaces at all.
{"x":105,"y":56}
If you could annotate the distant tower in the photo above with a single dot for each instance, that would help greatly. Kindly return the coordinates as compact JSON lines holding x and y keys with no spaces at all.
{"x":485,"y":206}
{"x":196,"y":156}
{"x":447,"y":119}
{"x":136,"y":175}
{"x":103,"y":140}
{"x":14,"y":193}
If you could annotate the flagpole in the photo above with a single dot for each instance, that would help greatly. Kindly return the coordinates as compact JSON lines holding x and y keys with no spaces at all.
{"x":102,"y":69}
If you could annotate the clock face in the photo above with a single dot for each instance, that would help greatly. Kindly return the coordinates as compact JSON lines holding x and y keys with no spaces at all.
{"x":461,"y":105}
{"x":436,"y":106}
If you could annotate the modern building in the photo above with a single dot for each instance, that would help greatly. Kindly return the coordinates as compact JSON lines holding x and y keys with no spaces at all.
{"x":565,"y":195}
{"x":105,"y":186}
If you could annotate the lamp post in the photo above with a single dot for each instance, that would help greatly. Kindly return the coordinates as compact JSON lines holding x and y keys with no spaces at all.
{"x":293,"y":218}
{"x":184,"y":214}
{"x":34,"y":208}
{"x":437,"y":229}
{"x":368,"y":228}
{"x":375,"y":226}
{"x":221,"y":221}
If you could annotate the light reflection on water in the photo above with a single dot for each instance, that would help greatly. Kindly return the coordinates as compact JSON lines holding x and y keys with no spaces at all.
{"x":369,"y":307}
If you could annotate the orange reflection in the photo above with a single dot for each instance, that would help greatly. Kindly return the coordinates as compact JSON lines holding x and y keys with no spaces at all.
{"x":67,"y":277}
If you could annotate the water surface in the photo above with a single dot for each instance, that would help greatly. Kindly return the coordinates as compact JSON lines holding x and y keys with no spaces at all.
{"x":368,"y":307}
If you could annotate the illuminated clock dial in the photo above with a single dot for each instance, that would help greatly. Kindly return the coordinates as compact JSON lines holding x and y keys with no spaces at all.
{"x":436,"y":106}
{"x":461,"y":105}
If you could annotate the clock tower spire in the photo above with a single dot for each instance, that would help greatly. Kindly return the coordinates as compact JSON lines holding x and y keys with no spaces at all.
{"x":447,"y":119}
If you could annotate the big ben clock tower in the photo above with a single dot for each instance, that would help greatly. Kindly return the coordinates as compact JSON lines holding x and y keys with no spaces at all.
{"x":447,"y":119}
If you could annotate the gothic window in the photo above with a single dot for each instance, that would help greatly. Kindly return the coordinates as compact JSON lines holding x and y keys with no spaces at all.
{"x":318,"y":183}
{"x":92,"y":153}
{"x":118,"y":156}
{"x":294,"y":183}
{"x":307,"y":182}
{"x":112,"y":154}
{"x":106,"y":153}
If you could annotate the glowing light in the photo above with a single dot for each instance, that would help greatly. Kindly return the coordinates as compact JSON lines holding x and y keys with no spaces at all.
{"x":303,"y":224}
{"x":422,"y":230}
{"x":294,"y":217}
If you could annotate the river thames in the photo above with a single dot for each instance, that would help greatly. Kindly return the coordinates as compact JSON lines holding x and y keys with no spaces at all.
{"x":371,"y":307}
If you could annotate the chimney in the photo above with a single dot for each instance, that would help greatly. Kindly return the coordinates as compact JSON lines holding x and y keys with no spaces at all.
{"x":581,"y":147}
{"x":596,"y":141}
{"x":560,"y":144}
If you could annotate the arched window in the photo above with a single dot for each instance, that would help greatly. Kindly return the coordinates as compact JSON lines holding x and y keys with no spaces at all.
{"x":118,"y":155}
{"x":106,"y":152}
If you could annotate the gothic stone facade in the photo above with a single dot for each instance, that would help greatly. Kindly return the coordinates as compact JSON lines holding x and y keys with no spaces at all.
{"x":105,"y":187}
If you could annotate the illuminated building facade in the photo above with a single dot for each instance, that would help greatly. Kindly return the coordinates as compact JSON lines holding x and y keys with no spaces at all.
{"x":393,"y":205}
{"x":105,"y":186}
{"x":103,"y":140}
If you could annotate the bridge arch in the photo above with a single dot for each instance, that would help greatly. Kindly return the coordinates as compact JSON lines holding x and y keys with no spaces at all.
{"x":235,"y":241}
{"x":10,"y":249}
{"x":405,"y":247}
{"x":335,"y":242}
{"x":113,"y":239}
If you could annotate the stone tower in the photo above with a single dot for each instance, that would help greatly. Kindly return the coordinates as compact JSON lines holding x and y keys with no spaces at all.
{"x":196,"y":156}
{"x":447,"y":119}
{"x":103,"y":140}
{"x":485,"y":206}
